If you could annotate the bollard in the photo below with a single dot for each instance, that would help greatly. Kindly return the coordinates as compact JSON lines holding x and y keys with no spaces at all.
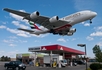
{"x":59,"y":64}
{"x":37,"y":64}
{"x":54,"y":64}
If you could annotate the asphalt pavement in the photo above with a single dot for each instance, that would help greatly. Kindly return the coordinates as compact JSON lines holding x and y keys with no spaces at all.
{"x":79,"y":67}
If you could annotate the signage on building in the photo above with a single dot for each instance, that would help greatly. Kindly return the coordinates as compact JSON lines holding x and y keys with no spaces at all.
{"x":19,"y":55}
{"x":73,"y":56}
{"x":32,"y":56}
{"x":34,"y":49}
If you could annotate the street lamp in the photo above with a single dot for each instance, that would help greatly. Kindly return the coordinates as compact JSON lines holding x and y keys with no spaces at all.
{"x":84,"y":45}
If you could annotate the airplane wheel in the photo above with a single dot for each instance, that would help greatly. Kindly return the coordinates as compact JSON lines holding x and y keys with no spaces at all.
{"x":90,"y":21}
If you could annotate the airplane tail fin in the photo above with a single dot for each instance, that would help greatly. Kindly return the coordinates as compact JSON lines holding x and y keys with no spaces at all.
{"x":34,"y":26}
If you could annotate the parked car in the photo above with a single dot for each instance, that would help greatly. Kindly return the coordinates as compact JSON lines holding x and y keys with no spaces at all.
{"x":80,"y":62}
{"x":15,"y":65}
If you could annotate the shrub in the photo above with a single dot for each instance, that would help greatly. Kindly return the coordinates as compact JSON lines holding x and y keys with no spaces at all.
{"x":95,"y":66}
{"x":100,"y":66}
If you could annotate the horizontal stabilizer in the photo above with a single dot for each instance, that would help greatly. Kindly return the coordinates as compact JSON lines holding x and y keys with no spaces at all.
{"x":27,"y":30}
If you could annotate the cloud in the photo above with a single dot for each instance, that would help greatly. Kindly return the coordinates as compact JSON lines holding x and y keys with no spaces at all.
{"x":25,"y":34}
{"x":23,"y":41}
{"x":84,"y":4}
{"x":73,"y":39}
{"x":8,"y":41}
{"x":11,"y":54}
{"x":40,"y":36}
{"x":17,"y":23}
{"x":98,"y":33}
{"x":2,"y":52}
{"x":82,"y":22}
{"x":13,"y":37}
{"x":36,"y":41}
{"x":14,"y":40}
{"x":18,"y":32}
{"x":2,"y":27}
{"x":12,"y":45}
{"x":100,"y":38}
{"x":99,"y":43}
{"x":87,"y":24}
{"x":61,"y":40}
{"x":17,"y":17}
{"x":3,"y":22}
{"x":15,"y":31}
{"x":89,"y":38}
{"x":99,"y":28}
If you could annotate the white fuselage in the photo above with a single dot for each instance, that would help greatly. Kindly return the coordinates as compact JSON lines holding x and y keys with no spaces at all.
{"x":41,"y":31}
{"x":80,"y":17}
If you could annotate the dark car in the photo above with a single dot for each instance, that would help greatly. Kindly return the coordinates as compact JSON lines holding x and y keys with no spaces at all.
{"x":15,"y":65}
{"x":80,"y":62}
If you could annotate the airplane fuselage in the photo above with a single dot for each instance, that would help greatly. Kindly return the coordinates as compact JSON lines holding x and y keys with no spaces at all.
{"x":36,"y":31}
{"x":73,"y":18}
{"x":80,"y":17}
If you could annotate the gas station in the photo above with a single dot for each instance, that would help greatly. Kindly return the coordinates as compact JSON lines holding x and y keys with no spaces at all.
{"x":66,"y":52}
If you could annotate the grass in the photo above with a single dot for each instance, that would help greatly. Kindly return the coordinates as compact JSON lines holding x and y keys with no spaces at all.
{"x":90,"y":69}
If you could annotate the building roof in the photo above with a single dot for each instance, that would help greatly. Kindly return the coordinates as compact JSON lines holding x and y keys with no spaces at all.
{"x":56,"y":49}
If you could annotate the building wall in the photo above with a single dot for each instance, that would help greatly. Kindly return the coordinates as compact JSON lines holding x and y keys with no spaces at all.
{"x":13,"y":59}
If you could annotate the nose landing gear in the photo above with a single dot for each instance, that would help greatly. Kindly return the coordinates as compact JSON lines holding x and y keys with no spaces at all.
{"x":90,"y":21}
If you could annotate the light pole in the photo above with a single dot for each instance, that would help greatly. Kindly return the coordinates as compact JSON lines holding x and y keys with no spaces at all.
{"x":84,"y":45}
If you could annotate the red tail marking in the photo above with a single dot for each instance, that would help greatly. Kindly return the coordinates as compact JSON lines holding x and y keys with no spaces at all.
{"x":36,"y":27}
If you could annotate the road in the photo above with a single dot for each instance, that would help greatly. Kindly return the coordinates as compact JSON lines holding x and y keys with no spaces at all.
{"x":79,"y":67}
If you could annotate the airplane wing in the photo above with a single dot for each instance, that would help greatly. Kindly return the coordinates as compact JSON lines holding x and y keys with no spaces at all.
{"x":41,"y":20}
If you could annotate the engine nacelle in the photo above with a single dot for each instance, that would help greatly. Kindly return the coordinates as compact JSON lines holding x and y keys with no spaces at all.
{"x":72,"y":30}
{"x":34,"y":15}
{"x":54,"y":19}
{"x":69,"y":34}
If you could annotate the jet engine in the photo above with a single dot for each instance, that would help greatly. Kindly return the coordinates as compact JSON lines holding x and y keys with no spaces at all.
{"x":69,"y":34}
{"x":72,"y":30}
{"x":54,"y":19}
{"x":34,"y":15}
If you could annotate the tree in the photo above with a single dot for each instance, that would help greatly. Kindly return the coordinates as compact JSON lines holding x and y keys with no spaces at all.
{"x":98,"y":53}
{"x":5,"y":58}
{"x":2,"y":58}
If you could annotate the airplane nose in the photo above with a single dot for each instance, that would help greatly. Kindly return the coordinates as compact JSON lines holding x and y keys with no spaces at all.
{"x":94,"y":13}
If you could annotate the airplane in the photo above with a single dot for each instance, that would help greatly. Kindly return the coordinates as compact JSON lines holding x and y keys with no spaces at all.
{"x":54,"y":25}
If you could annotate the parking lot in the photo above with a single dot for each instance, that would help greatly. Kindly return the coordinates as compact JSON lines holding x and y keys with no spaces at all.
{"x":79,"y":67}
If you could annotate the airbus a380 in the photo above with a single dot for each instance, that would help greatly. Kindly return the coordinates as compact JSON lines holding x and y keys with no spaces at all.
{"x":62,"y":26}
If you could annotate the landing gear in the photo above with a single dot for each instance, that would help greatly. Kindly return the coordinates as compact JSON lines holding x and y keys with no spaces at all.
{"x":90,"y":21}
{"x":52,"y":31}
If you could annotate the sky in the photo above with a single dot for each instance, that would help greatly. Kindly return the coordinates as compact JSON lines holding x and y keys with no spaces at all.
{"x":13,"y":41}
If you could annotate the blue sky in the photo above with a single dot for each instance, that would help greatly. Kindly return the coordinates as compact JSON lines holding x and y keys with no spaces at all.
{"x":14,"y":41}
